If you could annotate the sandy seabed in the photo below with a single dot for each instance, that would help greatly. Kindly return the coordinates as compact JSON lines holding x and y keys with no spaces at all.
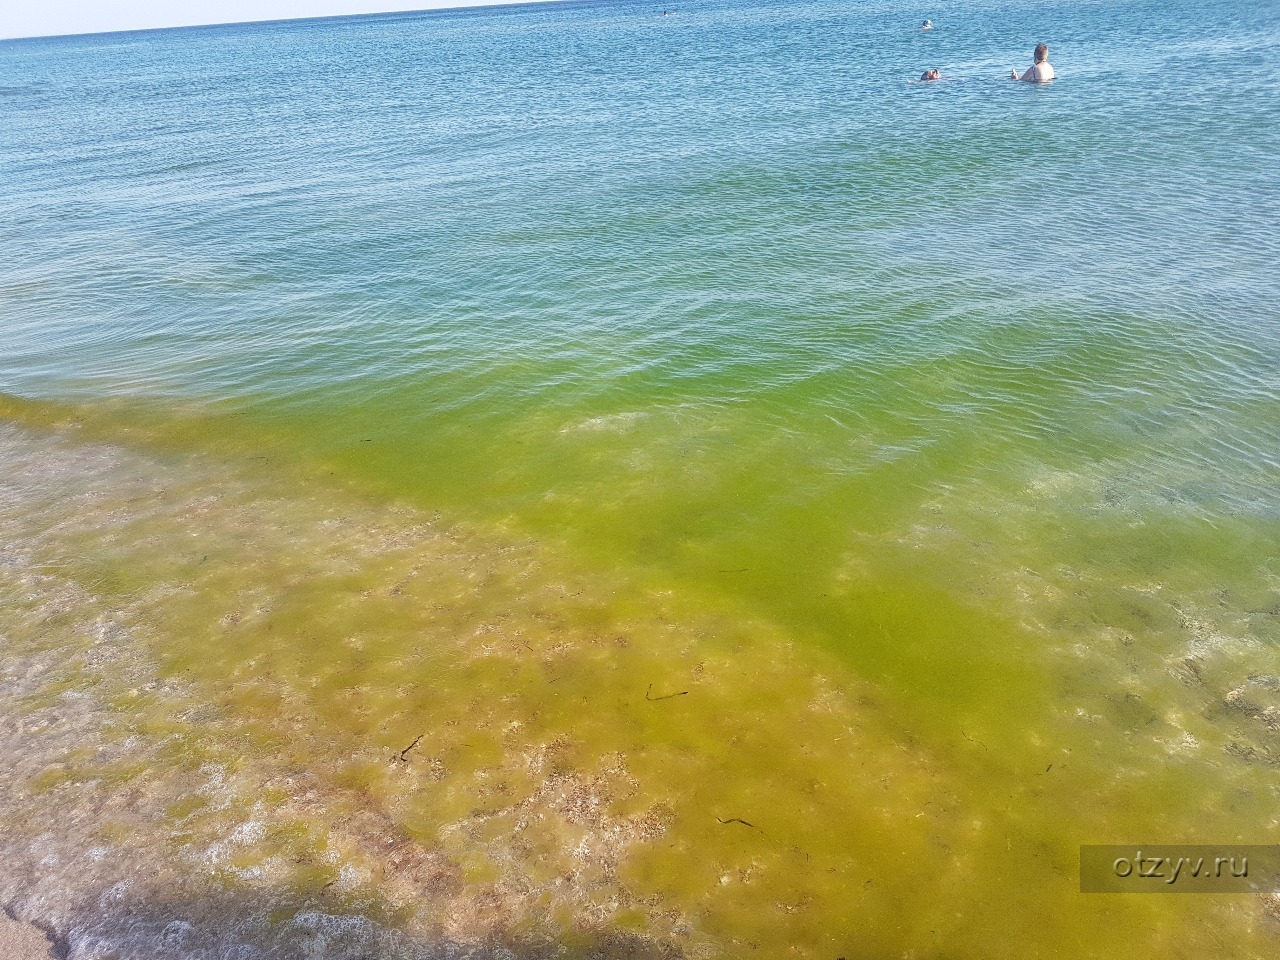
{"x":240,"y":722}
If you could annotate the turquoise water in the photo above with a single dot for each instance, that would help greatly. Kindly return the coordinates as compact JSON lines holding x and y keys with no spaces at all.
{"x":920,"y":440}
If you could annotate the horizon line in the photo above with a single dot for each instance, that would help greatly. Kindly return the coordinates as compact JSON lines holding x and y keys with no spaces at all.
{"x":469,"y":4}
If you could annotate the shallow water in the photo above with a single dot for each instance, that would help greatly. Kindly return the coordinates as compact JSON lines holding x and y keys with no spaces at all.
{"x":564,"y":477}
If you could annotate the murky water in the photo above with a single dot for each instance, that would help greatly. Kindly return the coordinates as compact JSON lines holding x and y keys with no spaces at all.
{"x":568,"y":479}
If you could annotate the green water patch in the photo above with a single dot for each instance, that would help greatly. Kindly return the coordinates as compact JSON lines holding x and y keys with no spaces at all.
{"x":470,"y":734}
{"x":680,"y":513}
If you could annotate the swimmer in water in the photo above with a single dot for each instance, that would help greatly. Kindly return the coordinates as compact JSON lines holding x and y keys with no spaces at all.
{"x":1041,"y":71}
{"x":927,"y":25}
{"x":934,"y":74}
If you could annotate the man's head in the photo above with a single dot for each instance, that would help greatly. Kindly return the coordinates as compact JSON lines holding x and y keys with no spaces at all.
{"x":1042,"y":52}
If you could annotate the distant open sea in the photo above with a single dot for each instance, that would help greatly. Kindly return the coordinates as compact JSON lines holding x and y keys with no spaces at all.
{"x":597,"y":480}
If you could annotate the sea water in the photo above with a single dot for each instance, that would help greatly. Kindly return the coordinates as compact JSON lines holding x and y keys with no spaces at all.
{"x":590,"y":479}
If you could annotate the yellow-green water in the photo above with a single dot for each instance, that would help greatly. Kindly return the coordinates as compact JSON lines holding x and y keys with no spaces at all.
{"x":305,"y":700}
{"x":562,"y":480}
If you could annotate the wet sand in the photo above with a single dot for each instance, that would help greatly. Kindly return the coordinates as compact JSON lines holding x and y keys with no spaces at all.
{"x":22,"y":941}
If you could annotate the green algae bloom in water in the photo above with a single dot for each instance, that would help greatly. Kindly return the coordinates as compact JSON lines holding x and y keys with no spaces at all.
{"x":563,"y":480}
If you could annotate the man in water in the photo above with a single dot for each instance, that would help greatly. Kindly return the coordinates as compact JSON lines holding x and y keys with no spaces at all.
{"x":934,"y":74}
{"x":927,"y":25}
{"x":1041,"y":71}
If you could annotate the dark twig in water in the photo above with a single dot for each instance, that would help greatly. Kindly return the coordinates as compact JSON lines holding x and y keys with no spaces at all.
{"x":742,"y":570}
{"x":666,"y":696}
{"x":973,"y":740}
{"x":404,"y":754}
{"x":147,"y":496}
{"x":738,"y":820}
